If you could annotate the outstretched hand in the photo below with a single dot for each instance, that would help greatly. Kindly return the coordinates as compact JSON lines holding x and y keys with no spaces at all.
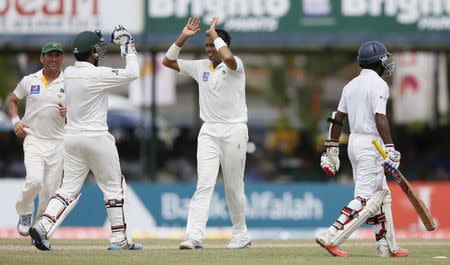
{"x":211,"y":32}
{"x":192,"y":27}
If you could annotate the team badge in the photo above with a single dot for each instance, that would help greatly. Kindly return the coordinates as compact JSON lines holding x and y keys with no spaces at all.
{"x":224,"y":72}
{"x":205,"y":76}
{"x":35,"y":89}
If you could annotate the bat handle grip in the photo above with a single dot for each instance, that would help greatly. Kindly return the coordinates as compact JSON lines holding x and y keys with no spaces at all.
{"x":379,"y":148}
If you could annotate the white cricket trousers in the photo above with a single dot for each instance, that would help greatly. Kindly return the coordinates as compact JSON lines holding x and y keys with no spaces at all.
{"x":43,"y":164}
{"x":94,"y":151}
{"x":222,"y":145}
{"x":368,"y":172}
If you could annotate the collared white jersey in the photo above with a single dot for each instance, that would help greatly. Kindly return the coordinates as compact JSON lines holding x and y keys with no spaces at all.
{"x":361,"y":99}
{"x":87,"y":89}
{"x":221,"y":90}
{"x":42,"y":105}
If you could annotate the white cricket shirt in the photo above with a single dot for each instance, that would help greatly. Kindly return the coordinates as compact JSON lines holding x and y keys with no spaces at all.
{"x":361,"y":99}
{"x":221,"y":90}
{"x":87,"y":89}
{"x":42,"y":105}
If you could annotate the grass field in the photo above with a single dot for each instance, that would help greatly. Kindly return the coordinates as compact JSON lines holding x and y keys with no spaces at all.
{"x":87,"y":252}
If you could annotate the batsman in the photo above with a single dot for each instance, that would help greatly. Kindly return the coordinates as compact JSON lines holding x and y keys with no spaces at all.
{"x":363,"y":103}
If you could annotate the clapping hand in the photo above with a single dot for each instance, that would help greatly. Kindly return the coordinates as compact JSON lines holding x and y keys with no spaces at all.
{"x":211,"y":32}
{"x":192,"y":27}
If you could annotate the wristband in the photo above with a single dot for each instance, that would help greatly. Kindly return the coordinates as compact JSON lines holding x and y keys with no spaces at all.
{"x":172,"y":52}
{"x":390,"y":147}
{"x":219,"y":43}
{"x":15,"y":120}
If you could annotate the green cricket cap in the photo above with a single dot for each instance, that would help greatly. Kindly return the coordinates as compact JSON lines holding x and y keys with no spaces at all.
{"x":52,"y":46}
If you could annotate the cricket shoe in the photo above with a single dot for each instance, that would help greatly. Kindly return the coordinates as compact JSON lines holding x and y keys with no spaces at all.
{"x":38,"y":234}
{"x":123,"y":245}
{"x":324,"y":238}
{"x":24,"y":224}
{"x":189,"y":243}
{"x":384,"y":251}
{"x":239,"y":243}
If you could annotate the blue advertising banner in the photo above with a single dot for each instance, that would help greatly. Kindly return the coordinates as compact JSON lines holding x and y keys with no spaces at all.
{"x":304,"y":205}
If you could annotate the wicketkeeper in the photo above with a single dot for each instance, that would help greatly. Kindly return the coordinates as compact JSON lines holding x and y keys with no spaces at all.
{"x":87,"y":142}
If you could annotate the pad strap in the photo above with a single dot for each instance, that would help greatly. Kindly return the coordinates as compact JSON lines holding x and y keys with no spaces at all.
{"x":49,"y":217}
{"x":113,"y":203}
{"x":362,"y":200}
{"x":382,"y":233}
{"x":377,"y":219}
{"x":65,"y":201}
{"x":116,"y":228}
{"x":338,"y":225}
{"x":349,"y":212}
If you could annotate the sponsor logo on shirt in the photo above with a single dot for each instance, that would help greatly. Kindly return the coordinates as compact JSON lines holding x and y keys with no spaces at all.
{"x":35,"y":89}
{"x":115,"y":71}
{"x":205,"y":76}
{"x":224,"y":72}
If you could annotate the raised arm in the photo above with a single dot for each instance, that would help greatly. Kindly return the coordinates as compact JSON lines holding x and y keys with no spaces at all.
{"x":191,"y":28}
{"x":222,"y":48}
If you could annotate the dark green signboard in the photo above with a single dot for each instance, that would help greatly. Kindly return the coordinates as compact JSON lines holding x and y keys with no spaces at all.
{"x":309,"y":16}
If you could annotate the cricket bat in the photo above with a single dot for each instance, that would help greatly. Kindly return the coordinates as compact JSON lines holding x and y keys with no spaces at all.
{"x":420,"y":207}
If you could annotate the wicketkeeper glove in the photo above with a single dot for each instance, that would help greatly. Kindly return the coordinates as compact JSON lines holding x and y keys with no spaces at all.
{"x":329,"y":161}
{"x":392,"y":161}
{"x":122,"y":38}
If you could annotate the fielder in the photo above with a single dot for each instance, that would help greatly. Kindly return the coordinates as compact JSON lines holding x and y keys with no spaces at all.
{"x":42,"y":126}
{"x":87,"y":142}
{"x":363,"y":102}
{"x":222,"y":140}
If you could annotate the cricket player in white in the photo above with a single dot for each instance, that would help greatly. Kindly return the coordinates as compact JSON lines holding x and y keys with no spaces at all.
{"x":222,"y":140}
{"x":363,"y":102}
{"x":87,"y":142}
{"x":42,"y":126}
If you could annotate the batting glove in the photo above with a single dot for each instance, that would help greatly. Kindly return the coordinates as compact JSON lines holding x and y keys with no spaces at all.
{"x":392,"y":160}
{"x":329,"y":161}
{"x":122,"y":38}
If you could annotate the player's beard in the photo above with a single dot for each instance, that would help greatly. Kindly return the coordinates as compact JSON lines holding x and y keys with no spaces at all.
{"x":95,"y":62}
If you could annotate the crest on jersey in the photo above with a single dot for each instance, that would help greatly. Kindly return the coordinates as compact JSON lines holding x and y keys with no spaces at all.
{"x":35,"y":89}
{"x":205,"y":76}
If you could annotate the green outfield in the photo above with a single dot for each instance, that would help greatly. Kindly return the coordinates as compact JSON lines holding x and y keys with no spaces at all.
{"x":91,"y":252}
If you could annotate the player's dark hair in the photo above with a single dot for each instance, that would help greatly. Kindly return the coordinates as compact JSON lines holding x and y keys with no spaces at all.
{"x":224,"y":35}
{"x":371,"y":66}
{"x":377,"y":67}
{"x":82,"y":57}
